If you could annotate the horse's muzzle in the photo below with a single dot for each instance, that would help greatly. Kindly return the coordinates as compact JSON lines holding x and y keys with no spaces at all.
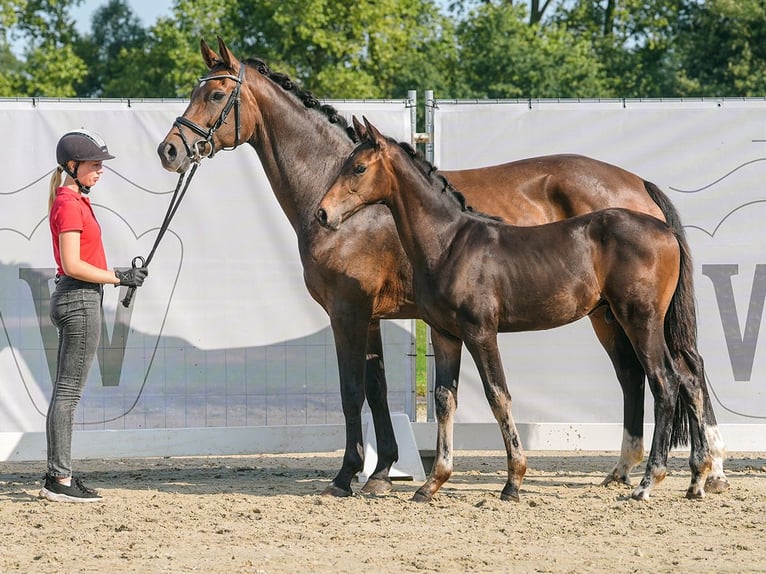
{"x":171,"y":159}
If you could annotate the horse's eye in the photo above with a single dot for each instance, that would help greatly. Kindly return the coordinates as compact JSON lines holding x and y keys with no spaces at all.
{"x":359,"y":169}
{"x":217,"y":96}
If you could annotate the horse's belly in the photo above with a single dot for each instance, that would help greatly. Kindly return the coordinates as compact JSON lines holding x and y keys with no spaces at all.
{"x":542,"y":314}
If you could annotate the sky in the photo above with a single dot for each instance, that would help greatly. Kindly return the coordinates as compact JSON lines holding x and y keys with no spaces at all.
{"x":147,"y":10}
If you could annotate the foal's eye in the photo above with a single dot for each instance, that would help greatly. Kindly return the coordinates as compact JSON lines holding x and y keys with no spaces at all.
{"x":359,"y":169}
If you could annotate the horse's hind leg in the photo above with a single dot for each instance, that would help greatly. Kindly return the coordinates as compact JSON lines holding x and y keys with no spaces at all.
{"x":447,"y":352}
{"x":631,"y":376}
{"x":376,"y":389}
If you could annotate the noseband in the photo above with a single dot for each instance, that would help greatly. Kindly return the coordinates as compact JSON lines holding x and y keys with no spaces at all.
{"x":194,"y":150}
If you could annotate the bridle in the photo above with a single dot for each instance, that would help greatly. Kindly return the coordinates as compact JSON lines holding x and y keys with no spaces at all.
{"x":194,"y":151}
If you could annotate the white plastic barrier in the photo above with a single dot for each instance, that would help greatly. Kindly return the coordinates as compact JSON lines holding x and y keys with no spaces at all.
{"x":709,"y":156}
{"x":223,"y":334}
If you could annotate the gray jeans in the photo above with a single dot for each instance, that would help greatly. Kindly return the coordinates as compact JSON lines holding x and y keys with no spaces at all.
{"x":76,"y":313}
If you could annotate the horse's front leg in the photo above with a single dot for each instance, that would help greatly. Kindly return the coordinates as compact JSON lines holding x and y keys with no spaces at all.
{"x":350,"y":333}
{"x":483,"y":349}
{"x":447,"y":350}
{"x":376,"y":390}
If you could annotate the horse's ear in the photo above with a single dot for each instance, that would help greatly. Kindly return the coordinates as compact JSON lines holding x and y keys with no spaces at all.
{"x":360,"y":129}
{"x":373,"y":135}
{"x":229,"y":59}
{"x":210,"y":57}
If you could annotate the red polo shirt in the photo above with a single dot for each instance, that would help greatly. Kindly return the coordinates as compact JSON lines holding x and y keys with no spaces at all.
{"x":72,"y":211}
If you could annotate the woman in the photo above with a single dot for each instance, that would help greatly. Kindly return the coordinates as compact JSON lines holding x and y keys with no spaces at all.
{"x":76,"y":302}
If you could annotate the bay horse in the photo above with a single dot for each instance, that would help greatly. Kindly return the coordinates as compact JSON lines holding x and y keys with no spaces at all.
{"x":475,"y":276}
{"x":302,"y":144}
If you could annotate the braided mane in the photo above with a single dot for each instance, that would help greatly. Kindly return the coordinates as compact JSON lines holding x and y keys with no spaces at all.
{"x":305,"y":96}
{"x":433,"y":173}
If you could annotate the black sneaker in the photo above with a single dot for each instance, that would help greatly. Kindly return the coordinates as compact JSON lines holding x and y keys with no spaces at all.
{"x":77,"y":492}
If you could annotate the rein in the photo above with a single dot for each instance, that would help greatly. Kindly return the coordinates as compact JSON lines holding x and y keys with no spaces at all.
{"x":175,"y":201}
{"x":194,"y":151}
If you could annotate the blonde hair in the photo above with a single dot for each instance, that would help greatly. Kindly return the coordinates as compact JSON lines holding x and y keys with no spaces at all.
{"x":54,"y":184}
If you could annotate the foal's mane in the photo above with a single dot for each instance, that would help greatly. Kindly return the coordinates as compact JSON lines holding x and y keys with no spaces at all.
{"x":432,"y":172}
{"x":304,"y":96}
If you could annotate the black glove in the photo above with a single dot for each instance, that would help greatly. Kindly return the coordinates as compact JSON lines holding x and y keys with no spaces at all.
{"x":133,"y":277}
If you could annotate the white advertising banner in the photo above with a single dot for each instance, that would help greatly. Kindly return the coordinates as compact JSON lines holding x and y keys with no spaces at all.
{"x":709,"y":156}
{"x":222,"y":334}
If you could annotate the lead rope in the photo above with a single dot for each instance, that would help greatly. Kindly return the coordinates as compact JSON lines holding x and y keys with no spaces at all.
{"x":175,"y":201}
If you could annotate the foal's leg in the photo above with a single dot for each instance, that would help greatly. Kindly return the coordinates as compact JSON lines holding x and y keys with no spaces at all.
{"x":447,"y":352}
{"x":663,"y":382}
{"x":666,"y":382}
{"x":376,"y":389}
{"x":716,"y":481}
{"x":701,"y":459}
{"x":350,"y":332}
{"x":486,"y":355}
{"x":631,"y":376}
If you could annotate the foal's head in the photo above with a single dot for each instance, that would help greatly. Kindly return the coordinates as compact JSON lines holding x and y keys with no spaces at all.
{"x":366,"y":177}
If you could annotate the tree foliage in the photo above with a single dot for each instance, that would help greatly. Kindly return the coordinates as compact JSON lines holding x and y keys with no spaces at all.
{"x":503,"y":56}
{"x":382,"y":48}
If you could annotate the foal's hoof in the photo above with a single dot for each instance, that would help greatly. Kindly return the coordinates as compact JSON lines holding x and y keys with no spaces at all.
{"x":336,"y":491}
{"x":510,"y":492}
{"x":420,"y":496}
{"x":377,"y":486}
{"x":716,"y":484}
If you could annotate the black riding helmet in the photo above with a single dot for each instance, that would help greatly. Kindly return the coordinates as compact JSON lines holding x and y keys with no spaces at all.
{"x":80,"y":145}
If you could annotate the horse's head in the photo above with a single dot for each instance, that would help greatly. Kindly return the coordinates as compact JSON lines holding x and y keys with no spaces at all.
{"x":214,"y":118}
{"x":365,"y":178}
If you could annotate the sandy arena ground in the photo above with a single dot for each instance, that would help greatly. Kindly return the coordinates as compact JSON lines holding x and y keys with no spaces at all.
{"x":263,"y":514}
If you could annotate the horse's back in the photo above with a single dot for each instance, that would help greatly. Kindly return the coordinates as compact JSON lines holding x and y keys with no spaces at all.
{"x":549,"y":188}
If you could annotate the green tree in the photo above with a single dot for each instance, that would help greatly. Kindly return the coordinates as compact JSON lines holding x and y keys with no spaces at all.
{"x":9,"y":63}
{"x":115,"y":30}
{"x":503,"y":56}
{"x":167,"y":63}
{"x":52,"y":68}
{"x":350,"y":48}
{"x":634,"y":40}
{"x":721,"y":48}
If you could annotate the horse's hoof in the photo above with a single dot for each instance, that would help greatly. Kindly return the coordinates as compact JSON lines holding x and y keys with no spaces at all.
{"x":422,"y":497}
{"x":614,"y":479}
{"x":377,"y":486}
{"x":640,"y":493}
{"x":510,"y":493}
{"x":716,"y":484}
{"x":336,"y":491}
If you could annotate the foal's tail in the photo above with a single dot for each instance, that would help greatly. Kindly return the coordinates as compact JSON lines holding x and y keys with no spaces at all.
{"x":681,"y":318}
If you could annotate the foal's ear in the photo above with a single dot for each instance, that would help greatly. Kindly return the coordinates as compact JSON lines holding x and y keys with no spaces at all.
{"x":373,"y":135}
{"x":360,"y":129}
{"x":229,"y":59}
{"x":210,"y":57}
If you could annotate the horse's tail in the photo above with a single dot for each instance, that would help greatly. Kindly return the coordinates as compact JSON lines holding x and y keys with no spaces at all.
{"x":681,"y":318}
